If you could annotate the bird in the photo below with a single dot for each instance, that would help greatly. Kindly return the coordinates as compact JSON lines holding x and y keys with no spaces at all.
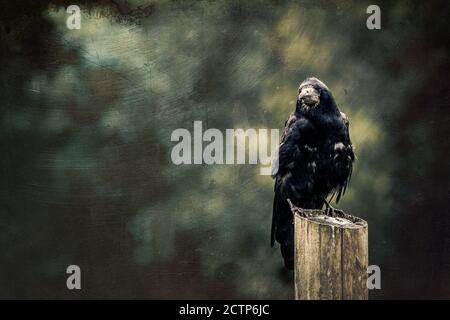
{"x":314,"y":161}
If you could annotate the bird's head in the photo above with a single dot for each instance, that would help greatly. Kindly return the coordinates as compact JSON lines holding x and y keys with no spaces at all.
{"x":313,"y":93}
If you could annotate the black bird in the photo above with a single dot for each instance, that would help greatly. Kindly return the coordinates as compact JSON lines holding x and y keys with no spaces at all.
{"x":314,"y":161}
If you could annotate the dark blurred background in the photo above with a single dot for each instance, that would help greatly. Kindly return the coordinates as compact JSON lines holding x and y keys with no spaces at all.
{"x":86,"y":118}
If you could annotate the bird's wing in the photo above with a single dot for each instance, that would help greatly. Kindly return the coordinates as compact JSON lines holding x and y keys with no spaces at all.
{"x":345,"y":157}
{"x":293,"y":139}
{"x":289,"y":158}
{"x":276,"y":159}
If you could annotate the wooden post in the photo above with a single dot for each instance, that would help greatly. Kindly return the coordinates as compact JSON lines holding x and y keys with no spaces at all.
{"x":331,"y":256}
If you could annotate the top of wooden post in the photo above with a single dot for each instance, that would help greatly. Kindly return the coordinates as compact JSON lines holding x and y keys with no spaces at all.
{"x":338,"y":219}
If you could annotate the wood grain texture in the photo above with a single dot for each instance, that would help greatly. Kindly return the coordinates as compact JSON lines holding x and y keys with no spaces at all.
{"x":331,"y":256}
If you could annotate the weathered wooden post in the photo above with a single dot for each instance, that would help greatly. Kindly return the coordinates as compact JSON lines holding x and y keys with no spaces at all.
{"x":331,"y":256}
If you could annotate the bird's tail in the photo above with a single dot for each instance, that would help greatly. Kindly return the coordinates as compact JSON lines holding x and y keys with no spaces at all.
{"x":287,"y":246}
{"x":283,"y":230}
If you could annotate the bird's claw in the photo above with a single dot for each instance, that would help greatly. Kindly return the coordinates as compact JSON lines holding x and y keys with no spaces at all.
{"x":332,"y":211}
{"x":301,"y":212}
{"x":291,"y":204}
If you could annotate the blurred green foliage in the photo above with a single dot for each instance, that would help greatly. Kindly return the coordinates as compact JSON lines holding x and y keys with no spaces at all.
{"x":86,"y":119}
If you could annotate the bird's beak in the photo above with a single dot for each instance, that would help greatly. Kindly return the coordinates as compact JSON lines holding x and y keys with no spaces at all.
{"x":309,"y":96}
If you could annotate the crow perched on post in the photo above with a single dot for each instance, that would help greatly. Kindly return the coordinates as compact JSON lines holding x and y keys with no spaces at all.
{"x":314,"y":161}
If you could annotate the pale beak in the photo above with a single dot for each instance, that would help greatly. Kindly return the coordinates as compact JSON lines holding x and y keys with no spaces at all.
{"x":309,"y":96}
